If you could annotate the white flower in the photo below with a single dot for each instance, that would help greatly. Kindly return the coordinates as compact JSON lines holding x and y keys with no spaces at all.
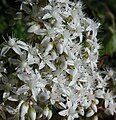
{"x":70,"y":112}
{"x":92,"y":26}
{"x":111,"y":109}
{"x":92,"y":58}
{"x":56,"y":94}
{"x":33,"y":82}
{"x":47,"y":60}
{"x":15,"y":44}
{"x":109,"y":98}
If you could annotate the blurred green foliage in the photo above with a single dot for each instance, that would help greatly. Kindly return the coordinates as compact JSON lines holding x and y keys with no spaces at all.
{"x":8,"y":23}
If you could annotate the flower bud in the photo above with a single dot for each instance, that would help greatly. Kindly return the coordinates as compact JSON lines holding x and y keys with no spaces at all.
{"x":24,"y":109}
{"x":96,"y":101}
{"x":48,"y":48}
{"x":32,"y":113}
{"x":54,"y":55}
{"x":94,"y":107}
{"x":90,"y":113}
{"x":60,"y":48}
{"x":48,"y":113}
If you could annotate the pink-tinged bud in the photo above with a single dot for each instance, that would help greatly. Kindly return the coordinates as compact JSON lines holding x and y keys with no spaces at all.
{"x":32,"y":113}
{"x":90,"y":113}
{"x":24,"y":109}
{"x":59,"y":48}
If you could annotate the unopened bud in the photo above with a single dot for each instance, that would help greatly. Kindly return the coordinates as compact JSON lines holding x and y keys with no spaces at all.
{"x":24,"y":109}
{"x":59,"y":47}
{"x":96,"y":101}
{"x":94,"y":107}
{"x":90,"y":113}
{"x":48,"y":48}
{"x":48,"y":113}
{"x":32,"y":113}
{"x":54,"y":55}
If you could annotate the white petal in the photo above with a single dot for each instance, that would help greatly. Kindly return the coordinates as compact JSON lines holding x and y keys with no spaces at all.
{"x":106,"y":103}
{"x":11,"y":110}
{"x":63,"y":113}
{"x":13,"y":98}
{"x":46,"y":16}
{"x":32,"y":113}
{"x":35,"y":93}
{"x":6,"y":94}
{"x":17,"y":50}
{"x":94,"y":107}
{"x":41,"y":65}
{"x":5,"y":50}
{"x":23,"y":77}
{"x":72,"y":83}
{"x":22,"y":89}
{"x":33,"y":28}
{"x":24,"y":109}
{"x":46,"y":111}
{"x":51,"y":65}
{"x":39,"y":32}
{"x":49,"y":115}
{"x":55,"y":80}
{"x":22,"y":45}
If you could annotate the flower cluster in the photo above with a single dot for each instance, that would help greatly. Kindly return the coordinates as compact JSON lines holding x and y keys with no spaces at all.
{"x":59,"y":67}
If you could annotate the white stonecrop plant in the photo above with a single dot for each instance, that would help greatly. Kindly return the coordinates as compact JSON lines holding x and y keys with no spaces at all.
{"x":58,"y":69}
